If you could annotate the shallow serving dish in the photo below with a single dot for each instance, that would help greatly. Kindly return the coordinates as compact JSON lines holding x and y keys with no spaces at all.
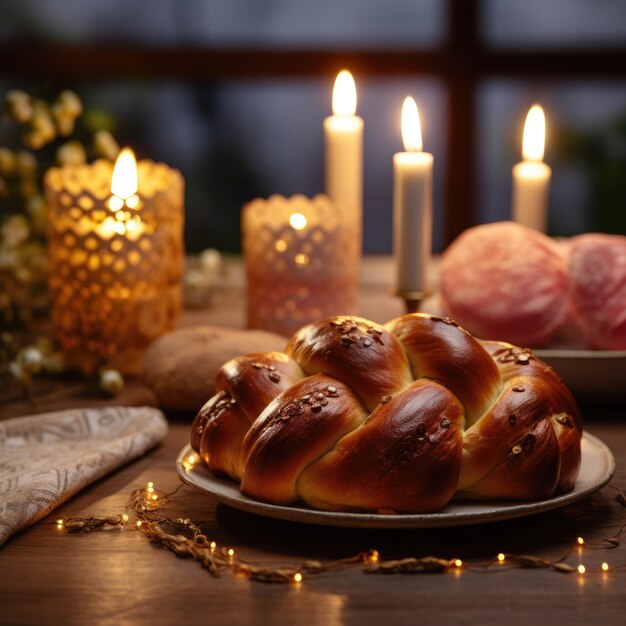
{"x":596,"y":470}
{"x":599,"y":373}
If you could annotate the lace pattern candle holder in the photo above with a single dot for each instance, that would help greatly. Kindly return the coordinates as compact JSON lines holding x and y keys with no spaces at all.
{"x":301,"y":262}
{"x":115,"y":267}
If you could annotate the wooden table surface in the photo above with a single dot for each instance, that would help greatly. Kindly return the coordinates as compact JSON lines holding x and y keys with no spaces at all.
{"x":118,"y":577}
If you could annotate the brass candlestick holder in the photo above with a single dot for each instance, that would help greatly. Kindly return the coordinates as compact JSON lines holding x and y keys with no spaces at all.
{"x":412,"y":299}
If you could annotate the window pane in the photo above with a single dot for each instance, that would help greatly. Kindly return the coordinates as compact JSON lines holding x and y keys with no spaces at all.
{"x":554,"y":23}
{"x":239,"y":23}
{"x":585,"y":146}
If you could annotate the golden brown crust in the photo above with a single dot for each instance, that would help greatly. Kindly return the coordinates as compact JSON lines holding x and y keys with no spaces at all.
{"x":513,"y":361}
{"x":257,"y":378}
{"x":296,"y":428}
{"x":340,"y":422}
{"x":405,"y":457}
{"x":362,"y":354}
{"x":439,"y":348}
{"x":218,"y":432}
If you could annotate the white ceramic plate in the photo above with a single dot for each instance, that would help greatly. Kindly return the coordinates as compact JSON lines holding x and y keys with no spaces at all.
{"x":596,"y":470}
{"x":600,"y":373}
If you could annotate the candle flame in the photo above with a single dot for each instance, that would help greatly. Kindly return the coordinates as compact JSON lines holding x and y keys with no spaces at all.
{"x":411,"y":128}
{"x":534,"y":141}
{"x":124,"y":180}
{"x":344,"y":94}
{"x":298,"y":221}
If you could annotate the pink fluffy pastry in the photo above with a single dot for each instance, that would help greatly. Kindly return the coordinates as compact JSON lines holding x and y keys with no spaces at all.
{"x":597,"y":275}
{"x":507,"y":282}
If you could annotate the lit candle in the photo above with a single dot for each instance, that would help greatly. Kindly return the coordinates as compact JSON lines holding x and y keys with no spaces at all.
{"x":412,"y":208}
{"x":300,"y":262}
{"x":343,"y":133}
{"x":116,"y":256}
{"x":531,"y":177}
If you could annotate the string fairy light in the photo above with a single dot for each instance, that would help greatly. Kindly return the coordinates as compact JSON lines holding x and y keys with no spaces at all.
{"x":189,"y":540}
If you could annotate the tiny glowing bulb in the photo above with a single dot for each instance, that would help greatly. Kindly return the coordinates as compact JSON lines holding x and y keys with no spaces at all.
{"x":139,"y":522}
{"x":191,"y":459}
{"x":213,"y":545}
{"x":501,"y":557}
{"x":605,"y":567}
{"x":458,"y":562}
{"x":150,"y":485}
{"x":154,"y":496}
{"x":297,"y":577}
{"x":60,"y":522}
{"x":580,"y":541}
{"x":124,"y":517}
{"x":581,"y":569}
{"x":231,"y":553}
{"x":373,"y":556}
{"x":150,"y":489}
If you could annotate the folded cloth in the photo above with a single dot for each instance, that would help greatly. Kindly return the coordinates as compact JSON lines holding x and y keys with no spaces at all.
{"x":45,"y":459}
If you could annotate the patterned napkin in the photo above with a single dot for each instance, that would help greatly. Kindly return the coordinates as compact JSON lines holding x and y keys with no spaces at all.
{"x":45,"y":459}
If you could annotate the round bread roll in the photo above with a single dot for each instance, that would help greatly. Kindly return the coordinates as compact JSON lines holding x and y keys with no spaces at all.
{"x":354,"y":416}
{"x":505,"y":281}
{"x":181,"y":367}
{"x":597,"y":279}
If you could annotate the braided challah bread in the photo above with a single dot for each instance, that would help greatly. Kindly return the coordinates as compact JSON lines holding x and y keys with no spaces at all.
{"x":401,"y":417}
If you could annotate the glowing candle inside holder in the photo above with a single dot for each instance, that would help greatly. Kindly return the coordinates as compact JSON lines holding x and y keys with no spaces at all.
{"x":116,"y":258}
{"x":300,"y":262}
{"x":412,"y":210}
{"x":531,"y":177}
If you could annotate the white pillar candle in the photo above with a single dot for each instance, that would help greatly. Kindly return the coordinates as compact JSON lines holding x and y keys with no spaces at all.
{"x":343,"y":138}
{"x":412,"y":206}
{"x":531,"y":177}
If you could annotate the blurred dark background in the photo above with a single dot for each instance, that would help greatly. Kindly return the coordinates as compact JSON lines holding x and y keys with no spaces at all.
{"x":234,"y":92}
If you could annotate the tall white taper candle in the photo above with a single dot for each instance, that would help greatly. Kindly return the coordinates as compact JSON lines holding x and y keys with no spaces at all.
{"x":343,"y":135}
{"x":412,"y":206}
